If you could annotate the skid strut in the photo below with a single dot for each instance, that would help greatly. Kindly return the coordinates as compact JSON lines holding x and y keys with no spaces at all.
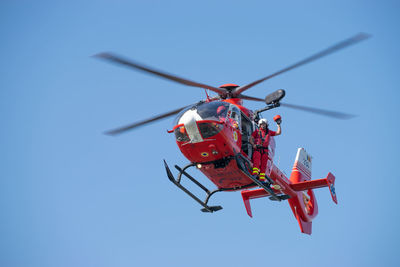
{"x":177,"y":182}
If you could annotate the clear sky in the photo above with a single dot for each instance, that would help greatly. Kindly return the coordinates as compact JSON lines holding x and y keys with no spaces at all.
{"x":71,"y":196}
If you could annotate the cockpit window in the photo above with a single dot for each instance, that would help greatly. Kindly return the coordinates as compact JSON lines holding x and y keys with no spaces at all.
{"x":181,"y":135}
{"x":215,"y":110}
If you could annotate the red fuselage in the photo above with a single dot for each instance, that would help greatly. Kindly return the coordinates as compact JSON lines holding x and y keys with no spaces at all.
{"x":211,"y":138}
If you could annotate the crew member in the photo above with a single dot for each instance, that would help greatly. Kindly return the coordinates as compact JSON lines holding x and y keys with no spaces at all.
{"x":259,"y":139}
{"x":221,"y":113}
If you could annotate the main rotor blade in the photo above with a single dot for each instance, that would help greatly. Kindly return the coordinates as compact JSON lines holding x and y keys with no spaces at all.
{"x":252,"y":98}
{"x":352,"y":40}
{"x":324,"y":112}
{"x":138,"y":66}
{"x":141,"y":123}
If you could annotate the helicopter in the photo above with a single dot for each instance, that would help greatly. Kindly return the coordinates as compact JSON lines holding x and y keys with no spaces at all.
{"x":214,"y":135}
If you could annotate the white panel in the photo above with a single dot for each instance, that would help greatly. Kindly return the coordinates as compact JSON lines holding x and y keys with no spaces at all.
{"x":189,"y":120}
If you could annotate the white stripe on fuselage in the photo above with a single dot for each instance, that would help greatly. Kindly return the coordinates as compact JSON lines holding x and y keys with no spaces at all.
{"x":189,"y":120}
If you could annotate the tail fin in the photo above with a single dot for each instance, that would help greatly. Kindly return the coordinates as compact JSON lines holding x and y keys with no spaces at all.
{"x":331,"y":182}
{"x":247,"y":205}
{"x":301,"y":173}
{"x":304,"y":206}
{"x":302,"y":167}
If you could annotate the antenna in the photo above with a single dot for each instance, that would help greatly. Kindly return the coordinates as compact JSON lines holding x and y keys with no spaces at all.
{"x":208,"y":97}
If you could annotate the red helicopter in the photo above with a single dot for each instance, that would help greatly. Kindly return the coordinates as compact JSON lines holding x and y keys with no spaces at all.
{"x":214,"y":136}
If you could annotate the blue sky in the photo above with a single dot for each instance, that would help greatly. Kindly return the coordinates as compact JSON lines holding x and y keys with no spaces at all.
{"x":71,"y":196}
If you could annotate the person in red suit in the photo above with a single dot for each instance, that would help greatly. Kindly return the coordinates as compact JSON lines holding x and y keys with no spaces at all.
{"x":259,"y":139}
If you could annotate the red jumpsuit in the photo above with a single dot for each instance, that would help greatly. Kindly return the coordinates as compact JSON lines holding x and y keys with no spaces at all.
{"x":260,"y":156}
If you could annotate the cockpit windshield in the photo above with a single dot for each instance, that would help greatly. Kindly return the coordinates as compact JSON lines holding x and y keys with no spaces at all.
{"x":215,"y":110}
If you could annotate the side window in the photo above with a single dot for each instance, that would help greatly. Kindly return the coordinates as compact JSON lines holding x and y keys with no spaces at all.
{"x":234,"y":114}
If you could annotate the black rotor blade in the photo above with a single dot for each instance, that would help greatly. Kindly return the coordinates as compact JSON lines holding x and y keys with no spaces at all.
{"x":329,"y":113}
{"x":144,"y":122}
{"x":324,"y":112}
{"x":352,"y":40}
{"x":141,"y":67}
{"x":252,"y":98}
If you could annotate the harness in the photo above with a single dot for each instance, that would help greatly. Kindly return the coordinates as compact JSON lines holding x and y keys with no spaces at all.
{"x":262,"y":149}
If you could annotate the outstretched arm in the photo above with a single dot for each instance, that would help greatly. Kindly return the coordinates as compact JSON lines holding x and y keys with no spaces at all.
{"x":279,"y":131}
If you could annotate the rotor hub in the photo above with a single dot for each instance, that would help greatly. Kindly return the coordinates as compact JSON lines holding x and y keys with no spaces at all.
{"x":229,"y":86}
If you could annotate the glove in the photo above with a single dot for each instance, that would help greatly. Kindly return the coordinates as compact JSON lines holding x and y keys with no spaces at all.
{"x":278,"y":119}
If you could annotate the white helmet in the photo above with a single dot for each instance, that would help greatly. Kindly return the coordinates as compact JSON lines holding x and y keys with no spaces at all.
{"x":262,"y":121}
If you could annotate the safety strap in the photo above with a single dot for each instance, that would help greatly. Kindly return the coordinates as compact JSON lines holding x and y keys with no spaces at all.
{"x":261,"y":137}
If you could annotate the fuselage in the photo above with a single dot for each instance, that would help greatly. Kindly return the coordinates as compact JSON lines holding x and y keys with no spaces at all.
{"x":210,"y":133}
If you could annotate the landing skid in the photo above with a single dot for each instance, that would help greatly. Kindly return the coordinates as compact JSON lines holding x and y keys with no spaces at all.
{"x":242,"y":163}
{"x":177,"y":182}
